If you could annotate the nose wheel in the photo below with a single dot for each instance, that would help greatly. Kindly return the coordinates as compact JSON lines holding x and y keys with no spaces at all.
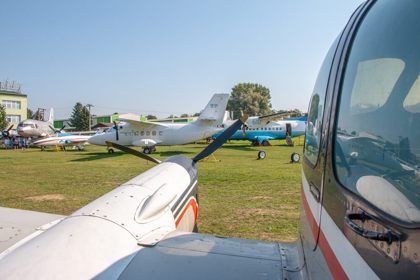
{"x":149,"y":150}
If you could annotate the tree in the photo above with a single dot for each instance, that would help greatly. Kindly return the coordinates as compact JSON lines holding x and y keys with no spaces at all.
{"x":251,"y":99}
{"x":151,"y":117}
{"x":184,"y":116}
{"x":80,"y":117}
{"x":30,"y":114}
{"x":3,"y":120}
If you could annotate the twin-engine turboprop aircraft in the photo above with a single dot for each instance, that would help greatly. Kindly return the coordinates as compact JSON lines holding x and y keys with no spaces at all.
{"x":36,"y":128}
{"x":360,"y":216}
{"x":62,"y":140}
{"x":261,"y":129}
{"x":150,"y":134}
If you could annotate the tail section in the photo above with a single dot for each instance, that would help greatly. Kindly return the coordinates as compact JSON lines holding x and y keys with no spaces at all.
{"x":51,"y":117}
{"x":215,"y":109}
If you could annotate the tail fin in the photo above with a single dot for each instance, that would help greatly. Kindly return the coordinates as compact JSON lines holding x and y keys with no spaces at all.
{"x":51,"y":117}
{"x":215,"y":109}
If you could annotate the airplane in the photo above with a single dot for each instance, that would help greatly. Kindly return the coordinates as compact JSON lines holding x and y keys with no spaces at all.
{"x":36,"y":128}
{"x":261,"y":129}
{"x":150,"y":134}
{"x":360,"y":193}
{"x":62,"y":140}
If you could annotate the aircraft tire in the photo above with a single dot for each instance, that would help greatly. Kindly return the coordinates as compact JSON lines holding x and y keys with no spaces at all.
{"x":294,"y":158}
{"x":147,"y":151}
{"x":261,"y":155}
{"x":265,"y":143}
{"x":110,"y":151}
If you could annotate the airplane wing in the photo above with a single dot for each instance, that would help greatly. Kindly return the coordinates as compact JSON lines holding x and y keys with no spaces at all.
{"x":201,"y":256}
{"x":143,"y":123}
{"x":277,"y":116}
{"x":16,"y":225}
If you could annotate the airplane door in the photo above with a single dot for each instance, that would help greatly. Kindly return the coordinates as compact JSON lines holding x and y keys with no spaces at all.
{"x":288,"y":130}
{"x":371,"y":192}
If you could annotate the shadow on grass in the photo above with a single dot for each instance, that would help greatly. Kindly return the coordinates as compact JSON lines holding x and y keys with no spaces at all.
{"x":173,"y":153}
{"x":96,"y":156}
{"x":239,"y":147}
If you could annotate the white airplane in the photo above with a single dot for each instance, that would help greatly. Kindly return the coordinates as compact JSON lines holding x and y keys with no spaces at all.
{"x":36,"y":128}
{"x":150,"y":134}
{"x":63,"y":140}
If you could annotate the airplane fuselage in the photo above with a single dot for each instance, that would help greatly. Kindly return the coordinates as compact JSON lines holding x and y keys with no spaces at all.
{"x":168,"y":135}
{"x":34,"y":128}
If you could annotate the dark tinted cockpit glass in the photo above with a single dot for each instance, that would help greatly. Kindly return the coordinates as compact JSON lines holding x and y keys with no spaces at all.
{"x":377,"y":142}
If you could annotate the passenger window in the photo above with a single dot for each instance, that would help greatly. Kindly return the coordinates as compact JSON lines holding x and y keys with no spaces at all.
{"x":147,"y":133}
{"x":160,"y":133}
{"x":154,"y":132}
{"x":142,"y":133}
{"x":316,"y":109}
{"x":376,"y":143}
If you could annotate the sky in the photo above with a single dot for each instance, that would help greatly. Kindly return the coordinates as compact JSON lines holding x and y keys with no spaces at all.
{"x":164,"y":57}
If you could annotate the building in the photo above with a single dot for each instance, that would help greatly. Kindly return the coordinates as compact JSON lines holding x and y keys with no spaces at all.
{"x":15,"y":102}
{"x":104,"y":119}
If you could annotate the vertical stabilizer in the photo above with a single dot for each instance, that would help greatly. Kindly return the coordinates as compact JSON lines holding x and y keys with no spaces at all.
{"x":215,"y":109}
{"x":51,"y":117}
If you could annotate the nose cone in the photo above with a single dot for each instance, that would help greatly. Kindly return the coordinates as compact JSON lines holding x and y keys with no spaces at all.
{"x":23,"y":131}
{"x":98,"y":139}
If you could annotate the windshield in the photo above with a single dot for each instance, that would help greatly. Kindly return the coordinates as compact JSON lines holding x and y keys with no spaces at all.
{"x":377,"y":143}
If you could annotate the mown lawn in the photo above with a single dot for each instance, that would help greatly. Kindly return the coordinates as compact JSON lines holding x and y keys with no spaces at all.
{"x":239,"y":195}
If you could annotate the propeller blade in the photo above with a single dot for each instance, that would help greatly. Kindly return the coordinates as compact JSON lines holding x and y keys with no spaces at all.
{"x":53,"y":128}
{"x":133,"y":152}
{"x":62,"y":128}
{"x":221,"y":139}
{"x":9,"y":128}
{"x":117,"y":137}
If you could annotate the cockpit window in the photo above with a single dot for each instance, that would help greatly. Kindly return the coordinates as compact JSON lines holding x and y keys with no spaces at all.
{"x":316,"y":109}
{"x":377,"y":147}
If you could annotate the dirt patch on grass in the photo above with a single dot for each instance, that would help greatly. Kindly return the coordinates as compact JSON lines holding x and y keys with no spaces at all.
{"x":46,"y":197}
{"x":260,"y":197}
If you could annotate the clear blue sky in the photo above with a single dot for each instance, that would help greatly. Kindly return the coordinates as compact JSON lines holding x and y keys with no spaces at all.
{"x":164,"y":57}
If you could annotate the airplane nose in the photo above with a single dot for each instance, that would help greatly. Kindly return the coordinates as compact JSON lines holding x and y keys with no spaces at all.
{"x":98,"y":139}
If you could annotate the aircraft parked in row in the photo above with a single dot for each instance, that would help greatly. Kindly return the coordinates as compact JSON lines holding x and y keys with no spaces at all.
{"x":36,"y":128}
{"x":150,"y":134}
{"x":360,"y":216}
{"x":260,"y":130}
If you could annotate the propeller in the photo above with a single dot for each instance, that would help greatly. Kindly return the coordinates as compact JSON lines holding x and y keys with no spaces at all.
{"x":6,"y":133}
{"x":57,"y":130}
{"x":205,"y":153}
{"x":117,"y":137}
{"x":133,"y":152}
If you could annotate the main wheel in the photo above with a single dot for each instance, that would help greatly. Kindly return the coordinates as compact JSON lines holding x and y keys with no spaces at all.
{"x":261,"y":155}
{"x":294,"y":157}
{"x":147,"y":150}
{"x":110,"y":151}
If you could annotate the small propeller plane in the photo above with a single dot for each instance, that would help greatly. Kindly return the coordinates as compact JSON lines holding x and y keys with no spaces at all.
{"x":360,"y":216}
{"x":63,"y":139}
{"x":150,"y":134}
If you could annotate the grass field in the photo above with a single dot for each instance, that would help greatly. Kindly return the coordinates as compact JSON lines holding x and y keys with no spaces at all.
{"x":239,"y":195}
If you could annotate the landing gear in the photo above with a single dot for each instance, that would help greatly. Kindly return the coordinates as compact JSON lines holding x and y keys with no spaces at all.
{"x":294,"y":158}
{"x":110,"y":150}
{"x":149,"y":150}
{"x":265,"y":143}
{"x":261,"y":155}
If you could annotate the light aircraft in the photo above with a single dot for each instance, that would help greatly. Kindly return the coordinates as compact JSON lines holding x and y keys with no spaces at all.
{"x":36,"y":128}
{"x":150,"y":134}
{"x":63,"y":140}
{"x":360,"y":216}
{"x":260,"y":130}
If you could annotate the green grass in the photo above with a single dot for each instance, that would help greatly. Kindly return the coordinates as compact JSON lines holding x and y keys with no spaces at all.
{"x":239,"y":195}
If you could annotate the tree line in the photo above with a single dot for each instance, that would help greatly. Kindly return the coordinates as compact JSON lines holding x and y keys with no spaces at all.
{"x":246,"y":98}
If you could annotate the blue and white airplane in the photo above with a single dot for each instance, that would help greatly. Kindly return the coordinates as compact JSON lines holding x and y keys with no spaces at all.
{"x":260,"y":130}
